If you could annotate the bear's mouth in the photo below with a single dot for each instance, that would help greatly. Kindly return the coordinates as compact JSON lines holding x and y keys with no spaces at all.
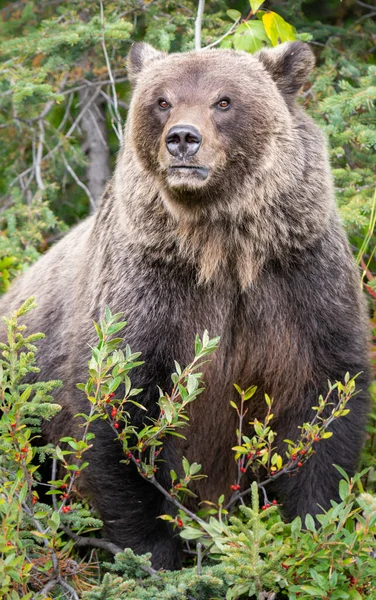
{"x":185,"y":170}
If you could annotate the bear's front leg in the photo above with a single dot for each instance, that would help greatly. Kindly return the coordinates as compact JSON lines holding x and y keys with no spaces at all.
{"x":316,"y":483}
{"x":128,"y":505}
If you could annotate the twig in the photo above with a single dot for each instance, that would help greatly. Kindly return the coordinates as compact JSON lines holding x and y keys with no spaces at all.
{"x":198,"y":24}
{"x":86,"y":84}
{"x":66,"y":113}
{"x":51,"y":584}
{"x":68,"y":587}
{"x":118,"y":127}
{"x":364,"y":5}
{"x":80,"y":183}
{"x":38,"y":160}
{"x":199,"y":558}
{"x":53,"y":477}
{"x":225,"y":35}
{"x":82,"y":542}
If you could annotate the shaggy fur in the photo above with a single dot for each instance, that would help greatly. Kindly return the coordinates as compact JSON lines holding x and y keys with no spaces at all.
{"x":255,"y":252}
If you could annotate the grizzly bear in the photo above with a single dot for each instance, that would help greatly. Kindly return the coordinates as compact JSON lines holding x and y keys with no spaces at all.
{"x":220,"y":215}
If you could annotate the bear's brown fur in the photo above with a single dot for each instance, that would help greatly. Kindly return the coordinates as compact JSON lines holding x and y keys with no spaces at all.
{"x":241,"y":237}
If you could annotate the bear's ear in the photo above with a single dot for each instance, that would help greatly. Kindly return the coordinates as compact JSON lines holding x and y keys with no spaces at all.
{"x":140,"y":55}
{"x":289,"y":65}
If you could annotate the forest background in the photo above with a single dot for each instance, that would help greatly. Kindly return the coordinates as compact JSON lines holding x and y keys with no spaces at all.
{"x":64,"y":96}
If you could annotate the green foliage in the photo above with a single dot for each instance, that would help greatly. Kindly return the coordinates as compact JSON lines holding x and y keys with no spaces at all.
{"x":31,"y":531}
{"x":259,"y":555}
{"x":243,"y":551}
{"x":24,"y":227}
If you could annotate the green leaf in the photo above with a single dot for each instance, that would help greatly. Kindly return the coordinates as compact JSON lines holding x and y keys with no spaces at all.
{"x":23,"y":492}
{"x":277,"y":29}
{"x":313,"y":591}
{"x":321,"y":581}
{"x":186,"y":466}
{"x":344,"y":489}
{"x":192,"y":383}
{"x":191,"y":534}
{"x":233,"y":14}
{"x":250,"y":36}
{"x":250,"y":392}
{"x":227,"y":43}
{"x":310,"y":523}
{"x":255,"y":5}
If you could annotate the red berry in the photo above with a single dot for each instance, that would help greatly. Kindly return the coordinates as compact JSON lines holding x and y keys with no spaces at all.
{"x":64,"y":486}
{"x":243,"y":469}
{"x":235,"y":487}
{"x":250,"y":455}
{"x":303,"y":452}
{"x":111,"y":395}
{"x":24,"y":449}
{"x":180,"y":522}
{"x":129,"y":455}
{"x":34,"y":500}
{"x":138,"y":460}
{"x":300,"y":464}
{"x":13,"y":425}
{"x":77,"y":473}
{"x":285,"y":566}
{"x":113,"y":412}
{"x":264,"y":507}
{"x":258,"y":452}
{"x":316,"y":439}
{"x":275,"y":502}
{"x":9,"y":543}
{"x":116,"y":425}
{"x":293,"y":457}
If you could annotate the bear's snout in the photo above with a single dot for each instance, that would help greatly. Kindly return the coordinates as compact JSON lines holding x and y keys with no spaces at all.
{"x":183,"y":141}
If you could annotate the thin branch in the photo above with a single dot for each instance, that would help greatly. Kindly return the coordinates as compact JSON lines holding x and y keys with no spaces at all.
{"x":68,"y":587}
{"x":118,"y":126}
{"x":66,"y":113}
{"x":80,"y":183}
{"x":49,"y":586}
{"x":198,"y":23}
{"x":364,"y":5}
{"x":199,"y":558}
{"x":38,"y":159}
{"x":82,"y":542}
{"x":225,"y":35}
{"x":87,"y":83}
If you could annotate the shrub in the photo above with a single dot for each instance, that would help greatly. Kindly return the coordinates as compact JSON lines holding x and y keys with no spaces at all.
{"x":239,"y":551}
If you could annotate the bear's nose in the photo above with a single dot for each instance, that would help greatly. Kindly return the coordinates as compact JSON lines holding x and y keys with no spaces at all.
{"x":183,"y":140}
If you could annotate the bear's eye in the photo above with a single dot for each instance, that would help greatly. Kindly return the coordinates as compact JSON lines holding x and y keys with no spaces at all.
{"x":224,"y":103}
{"x":163,"y":104}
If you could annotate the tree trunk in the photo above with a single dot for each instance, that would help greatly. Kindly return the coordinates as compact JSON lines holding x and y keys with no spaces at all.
{"x":94,"y":126}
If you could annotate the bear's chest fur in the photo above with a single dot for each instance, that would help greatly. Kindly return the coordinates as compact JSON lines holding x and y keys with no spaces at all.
{"x":166,"y":308}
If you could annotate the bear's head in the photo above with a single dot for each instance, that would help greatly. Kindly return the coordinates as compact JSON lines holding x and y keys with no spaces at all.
{"x":220,"y":161}
{"x":204,"y":120}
